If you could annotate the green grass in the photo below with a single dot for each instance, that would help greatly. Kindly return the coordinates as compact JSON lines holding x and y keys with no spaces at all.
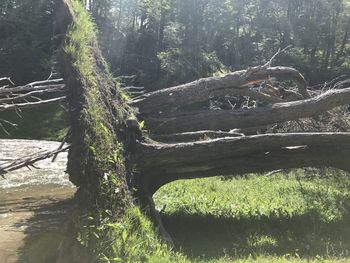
{"x":261,"y":219}
{"x":47,"y":122}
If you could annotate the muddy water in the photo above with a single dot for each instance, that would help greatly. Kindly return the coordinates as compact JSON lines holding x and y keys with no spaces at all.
{"x":33,"y":202}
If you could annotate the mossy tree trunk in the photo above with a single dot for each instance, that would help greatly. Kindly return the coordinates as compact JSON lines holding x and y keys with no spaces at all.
{"x":98,"y":161}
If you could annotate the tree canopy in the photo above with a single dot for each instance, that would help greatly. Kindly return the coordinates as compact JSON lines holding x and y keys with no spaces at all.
{"x":171,"y":42}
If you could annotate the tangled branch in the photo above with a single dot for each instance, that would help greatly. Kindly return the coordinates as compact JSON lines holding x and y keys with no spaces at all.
{"x":31,"y":95}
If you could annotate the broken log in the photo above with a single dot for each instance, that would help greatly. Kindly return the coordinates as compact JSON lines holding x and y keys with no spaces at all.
{"x":231,"y":84}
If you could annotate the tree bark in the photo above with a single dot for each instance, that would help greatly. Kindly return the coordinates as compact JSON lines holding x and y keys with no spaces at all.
{"x":226,"y":120}
{"x":230,"y":84}
{"x":194,"y":136}
{"x":163,"y":163}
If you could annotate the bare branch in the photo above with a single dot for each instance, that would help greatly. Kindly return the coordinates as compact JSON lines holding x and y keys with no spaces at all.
{"x":269,"y":63}
{"x":28,"y":88}
{"x":61,"y":145}
{"x":29,"y":160}
{"x":30,"y":94}
{"x":30,"y":104}
{"x":7,"y":79}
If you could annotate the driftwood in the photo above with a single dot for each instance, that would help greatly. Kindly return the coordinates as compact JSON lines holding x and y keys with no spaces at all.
{"x":28,"y":161}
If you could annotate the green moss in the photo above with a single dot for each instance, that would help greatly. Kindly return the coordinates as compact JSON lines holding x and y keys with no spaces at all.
{"x":82,"y":40}
{"x":113,"y":229}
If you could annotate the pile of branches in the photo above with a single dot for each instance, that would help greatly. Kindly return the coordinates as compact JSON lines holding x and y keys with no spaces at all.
{"x":31,"y":95}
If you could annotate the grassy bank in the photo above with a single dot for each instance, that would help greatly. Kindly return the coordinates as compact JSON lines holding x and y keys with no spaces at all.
{"x":261,"y":219}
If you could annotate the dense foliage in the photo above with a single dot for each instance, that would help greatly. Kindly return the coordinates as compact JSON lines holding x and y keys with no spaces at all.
{"x":26,"y":55}
{"x":26,"y":39}
{"x":166,"y":42}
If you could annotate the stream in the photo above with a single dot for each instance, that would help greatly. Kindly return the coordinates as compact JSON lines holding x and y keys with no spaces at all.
{"x":34,"y":203}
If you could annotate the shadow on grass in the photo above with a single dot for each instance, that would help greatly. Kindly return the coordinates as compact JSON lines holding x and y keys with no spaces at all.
{"x":303,"y":236}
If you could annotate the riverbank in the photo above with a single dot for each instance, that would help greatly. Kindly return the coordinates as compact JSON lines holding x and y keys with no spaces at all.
{"x":34,"y":204}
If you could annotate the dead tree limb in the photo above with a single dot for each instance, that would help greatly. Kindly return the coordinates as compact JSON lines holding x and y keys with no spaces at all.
{"x":226,"y":120}
{"x":37,"y":85}
{"x":29,"y":160}
{"x":30,"y":104}
{"x":18,"y":97}
{"x":27,"y":96}
{"x":31,"y":95}
{"x":8,"y":80}
{"x":203,"y":89}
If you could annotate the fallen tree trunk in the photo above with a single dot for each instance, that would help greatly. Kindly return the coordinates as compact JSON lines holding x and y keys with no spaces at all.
{"x":164,"y":163}
{"x":236,"y":83}
{"x":226,"y":120}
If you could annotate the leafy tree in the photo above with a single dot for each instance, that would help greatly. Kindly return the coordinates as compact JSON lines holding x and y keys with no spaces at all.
{"x":25,"y":39}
